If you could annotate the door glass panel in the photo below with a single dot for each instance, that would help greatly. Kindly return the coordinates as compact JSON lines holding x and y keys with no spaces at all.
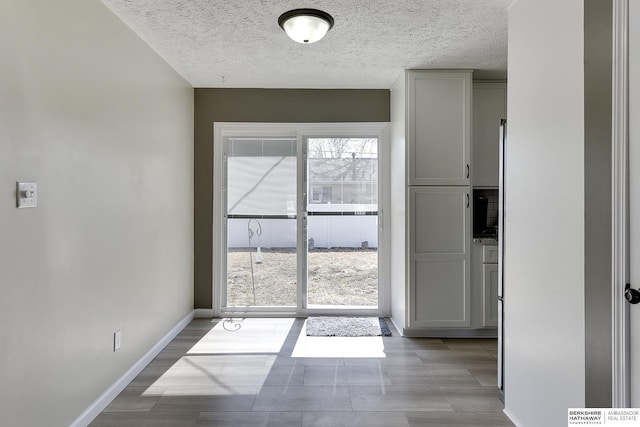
{"x":261,"y":222}
{"x":342,"y":222}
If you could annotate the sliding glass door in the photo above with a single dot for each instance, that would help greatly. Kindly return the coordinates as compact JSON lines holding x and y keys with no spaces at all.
{"x":342,"y":221}
{"x":261,"y":222}
{"x":298,"y":216}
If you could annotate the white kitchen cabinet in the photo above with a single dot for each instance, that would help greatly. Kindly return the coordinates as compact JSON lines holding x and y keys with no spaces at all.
{"x":484,"y":285}
{"x":489,"y":106}
{"x":439,"y":257}
{"x":490,"y":294}
{"x":439,"y":127}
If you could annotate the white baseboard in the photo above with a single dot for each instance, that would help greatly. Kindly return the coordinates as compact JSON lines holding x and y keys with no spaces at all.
{"x":511,"y":418}
{"x":397,"y":326}
{"x":449,"y":333}
{"x":203,"y":313}
{"x":103,"y":401}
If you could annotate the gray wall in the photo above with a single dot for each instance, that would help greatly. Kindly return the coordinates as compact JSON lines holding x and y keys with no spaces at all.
{"x":597,"y":201}
{"x":105,"y":127}
{"x":260,"y":105}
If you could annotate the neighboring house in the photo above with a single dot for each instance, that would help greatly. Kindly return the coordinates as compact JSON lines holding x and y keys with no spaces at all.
{"x":347,"y":181}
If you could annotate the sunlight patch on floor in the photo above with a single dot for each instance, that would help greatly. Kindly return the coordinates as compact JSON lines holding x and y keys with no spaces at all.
{"x":244,"y":336}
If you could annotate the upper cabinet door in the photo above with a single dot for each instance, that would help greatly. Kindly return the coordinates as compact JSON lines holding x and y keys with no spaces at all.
{"x":489,"y":106}
{"x":439,"y":127}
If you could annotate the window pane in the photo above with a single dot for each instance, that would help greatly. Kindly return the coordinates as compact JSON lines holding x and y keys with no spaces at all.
{"x":261,"y":176}
{"x":261,"y":262}
{"x":342,"y":230}
{"x":343,"y":171}
{"x":261,"y":248}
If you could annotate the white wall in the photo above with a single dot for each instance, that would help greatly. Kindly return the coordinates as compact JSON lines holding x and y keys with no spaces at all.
{"x":105,"y":127}
{"x":398,"y":194}
{"x":544,"y":265}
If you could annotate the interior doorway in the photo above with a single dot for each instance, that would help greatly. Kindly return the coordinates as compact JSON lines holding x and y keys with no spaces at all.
{"x":626,"y":206}
{"x":634,"y":200}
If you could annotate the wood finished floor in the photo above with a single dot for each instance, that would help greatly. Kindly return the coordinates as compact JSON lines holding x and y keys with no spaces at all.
{"x":211,"y":376}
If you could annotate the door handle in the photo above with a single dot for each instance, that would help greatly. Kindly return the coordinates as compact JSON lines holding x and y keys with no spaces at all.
{"x":467,"y":170}
{"x":631,"y":295}
{"x":467,"y":199}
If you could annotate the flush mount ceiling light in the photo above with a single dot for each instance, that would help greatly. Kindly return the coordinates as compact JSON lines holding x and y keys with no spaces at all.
{"x":306,"y":25}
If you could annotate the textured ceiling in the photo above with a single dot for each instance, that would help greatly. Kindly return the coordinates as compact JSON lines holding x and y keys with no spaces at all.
{"x":238,"y":43}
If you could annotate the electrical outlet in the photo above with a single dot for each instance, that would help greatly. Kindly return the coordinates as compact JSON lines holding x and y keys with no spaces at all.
{"x":117,"y":340}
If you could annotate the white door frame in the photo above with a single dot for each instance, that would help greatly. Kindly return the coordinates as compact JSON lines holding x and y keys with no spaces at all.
{"x":300,"y":130}
{"x":620,"y":396}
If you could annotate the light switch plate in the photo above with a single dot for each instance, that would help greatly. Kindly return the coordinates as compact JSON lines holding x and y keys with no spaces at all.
{"x":26,"y":194}
{"x":117,"y":340}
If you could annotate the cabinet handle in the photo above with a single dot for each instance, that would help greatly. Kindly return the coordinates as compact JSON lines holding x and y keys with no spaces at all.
{"x":467,"y":170}
{"x":467,"y":199}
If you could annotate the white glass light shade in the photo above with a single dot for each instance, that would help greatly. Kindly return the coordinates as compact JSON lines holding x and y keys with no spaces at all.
{"x":306,"y":25}
{"x":306,"y":29}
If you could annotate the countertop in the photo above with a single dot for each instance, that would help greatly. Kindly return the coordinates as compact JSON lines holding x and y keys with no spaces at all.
{"x":486,"y":240}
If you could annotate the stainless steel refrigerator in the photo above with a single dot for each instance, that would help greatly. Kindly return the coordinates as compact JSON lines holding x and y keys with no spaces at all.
{"x":501,"y":254}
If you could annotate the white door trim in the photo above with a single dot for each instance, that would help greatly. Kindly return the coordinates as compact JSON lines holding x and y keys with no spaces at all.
{"x":300,"y":130}
{"x":620,"y":207}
